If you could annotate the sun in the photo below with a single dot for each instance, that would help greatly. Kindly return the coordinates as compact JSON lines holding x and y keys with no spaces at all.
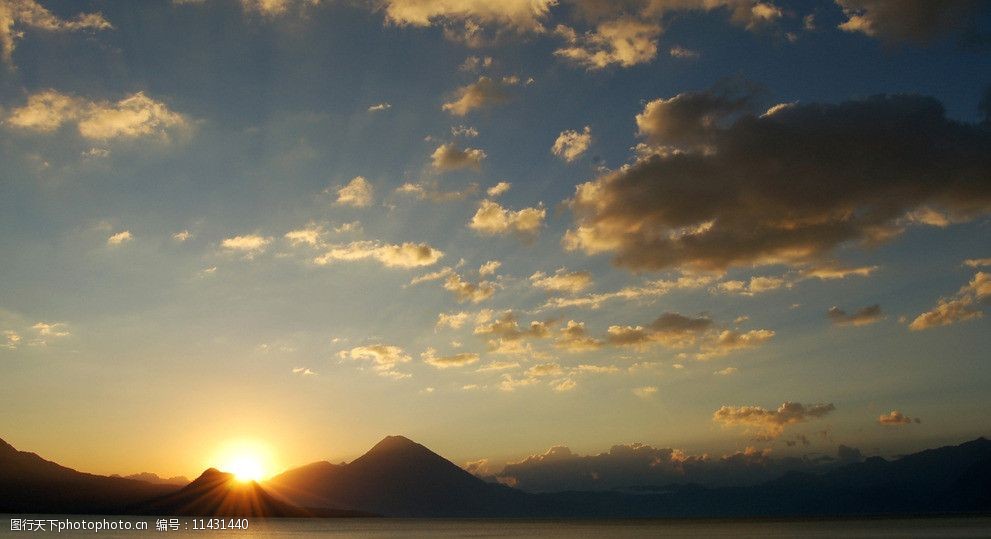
{"x":245,"y":468}
{"x":248,"y":460}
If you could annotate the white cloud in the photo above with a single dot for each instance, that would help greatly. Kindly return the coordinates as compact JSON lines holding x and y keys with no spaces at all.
{"x":119,"y":238}
{"x":450,"y":156}
{"x":645,"y":391}
{"x":517,"y":15}
{"x":493,"y":219}
{"x":571,"y":144}
{"x":15,"y":15}
{"x":430,"y":357}
{"x":624,"y":42}
{"x":358,"y":193}
{"x":405,"y":255}
{"x":483,"y":93}
{"x":182,"y":236}
{"x":563,"y":280}
{"x":384,"y":358}
{"x":379,"y":107}
{"x":249,"y":244}
{"x":489,"y":268}
{"x":958,"y":308}
{"x":498,"y":189}
{"x":467,"y":291}
{"x":135,"y":116}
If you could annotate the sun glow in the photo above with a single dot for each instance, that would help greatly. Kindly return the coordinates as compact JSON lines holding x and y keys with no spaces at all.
{"x":247,"y":460}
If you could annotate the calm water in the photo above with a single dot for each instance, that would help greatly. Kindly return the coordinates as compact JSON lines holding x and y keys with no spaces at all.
{"x":424,"y":528}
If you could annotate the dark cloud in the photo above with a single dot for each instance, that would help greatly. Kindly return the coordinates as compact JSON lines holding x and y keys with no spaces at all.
{"x":787,"y":186}
{"x":862,"y":317}
{"x":639,"y":465}
{"x":918,"y":21}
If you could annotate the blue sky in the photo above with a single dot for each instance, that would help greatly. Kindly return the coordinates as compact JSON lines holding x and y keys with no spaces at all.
{"x":244,"y":220}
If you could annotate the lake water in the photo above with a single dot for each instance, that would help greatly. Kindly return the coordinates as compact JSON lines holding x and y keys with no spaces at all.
{"x":571,"y":529}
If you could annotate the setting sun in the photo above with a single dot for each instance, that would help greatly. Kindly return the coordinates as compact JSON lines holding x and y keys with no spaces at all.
{"x":247,"y":460}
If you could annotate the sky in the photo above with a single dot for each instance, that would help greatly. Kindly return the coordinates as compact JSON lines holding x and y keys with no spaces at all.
{"x":712,"y":227}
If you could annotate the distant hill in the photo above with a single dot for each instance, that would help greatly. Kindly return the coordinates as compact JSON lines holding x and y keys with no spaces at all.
{"x":219,"y":494}
{"x":148,"y":477}
{"x":398,"y":477}
{"x":31,"y":484}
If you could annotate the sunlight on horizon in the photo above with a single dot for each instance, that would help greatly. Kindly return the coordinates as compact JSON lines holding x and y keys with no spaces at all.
{"x":248,"y":460}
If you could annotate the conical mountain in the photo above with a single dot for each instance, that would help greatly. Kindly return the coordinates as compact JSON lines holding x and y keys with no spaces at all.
{"x":397,"y":477}
{"x":219,"y":494}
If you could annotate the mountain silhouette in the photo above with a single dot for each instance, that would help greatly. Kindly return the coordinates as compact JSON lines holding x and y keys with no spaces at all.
{"x":219,"y":494}
{"x":31,"y":484}
{"x":149,"y":477}
{"x":398,"y":477}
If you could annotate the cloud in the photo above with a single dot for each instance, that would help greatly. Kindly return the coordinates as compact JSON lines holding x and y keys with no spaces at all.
{"x":958,"y":308}
{"x":509,"y":383}
{"x":645,"y":392}
{"x":570,"y":144}
{"x":429,"y":190}
{"x":916,"y":21}
{"x":489,"y":268}
{"x":135,"y":116}
{"x":770,"y":423}
{"x":182,"y":236}
{"x":120,"y":238}
{"x":379,"y":107}
{"x":562,"y":281}
{"x":16,"y":15}
{"x":404,"y":255}
{"x":474,"y":64}
{"x":507,"y":328}
{"x":649,"y":290}
{"x":483,"y":93}
{"x":10,"y":340}
{"x":274,"y":8}
{"x":498,"y":189}
{"x":250,"y":245}
{"x":624,"y":42}
{"x":430,"y":357}
{"x":303,"y":371}
{"x":734,"y":190}
{"x":311,"y":235}
{"x":750,"y":14}
{"x":518,"y":15}
{"x":452,"y":320}
{"x":829,"y":272}
{"x":730,"y":340}
{"x":669,"y":329}
{"x":726,"y":372}
{"x":574,"y":338}
{"x":384,"y":358}
{"x":544,"y":369}
{"x":432,"y":276}
{"x":498,"y":366}
{"x":896,"y":418}
{"x":492,"y":219}
{"x":682,"y":53}
{"x":452,"y":157}
{"x":756,"y":285}
{"x":468,"y":291}
{"x":862,"y":317}
{"x":977,"y":262}
{"x":358,"y":193}
{"x":57,"y":329}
